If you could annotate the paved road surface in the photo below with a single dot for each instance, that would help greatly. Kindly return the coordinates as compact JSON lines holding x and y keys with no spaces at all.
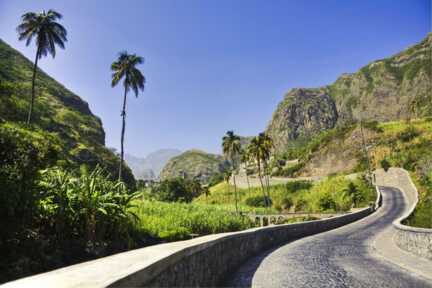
{"x":343,"y":257}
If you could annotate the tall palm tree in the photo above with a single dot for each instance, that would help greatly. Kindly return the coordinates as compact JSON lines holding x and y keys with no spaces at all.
{"x":231,"y":149}
{"x":260,"y":148}
{"x":125,"y":68}
{"x":48,"y":33}
{"x":267,"y":146}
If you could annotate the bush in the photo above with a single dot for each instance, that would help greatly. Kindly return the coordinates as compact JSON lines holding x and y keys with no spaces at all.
{"x":300,"y":204}
{"x":287,"y":203}
{"x":258,"y":201}
{"x":294,"y":186}
{"x":88,"y":205}
{"x":326,"y":202}
{"x":177,"y":190}
{"x":22,"y":154}
{"x":354,"y":193}
{"x":385,"y":165}
{"x":408,"y":134}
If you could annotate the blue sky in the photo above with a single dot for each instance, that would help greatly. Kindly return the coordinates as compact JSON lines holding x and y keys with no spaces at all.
{"x":214,"y":65}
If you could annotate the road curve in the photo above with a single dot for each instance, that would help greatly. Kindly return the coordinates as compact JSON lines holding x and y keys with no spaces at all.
{"x":344,"y":257}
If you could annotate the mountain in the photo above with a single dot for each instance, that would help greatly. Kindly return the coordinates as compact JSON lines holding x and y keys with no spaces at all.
{"x":57,"y":112}
{"x":395,"y":88}
{"x":150,"y":166}
{"x":194,"y":164}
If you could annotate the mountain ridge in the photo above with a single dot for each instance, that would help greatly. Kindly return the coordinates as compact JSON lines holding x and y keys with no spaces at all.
{"x":149,"y":167}
{"x":394,"y":88}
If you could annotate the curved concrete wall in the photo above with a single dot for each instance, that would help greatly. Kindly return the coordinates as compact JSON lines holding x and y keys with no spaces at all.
{"x":412,"y":239}
{"x":203,"y":261}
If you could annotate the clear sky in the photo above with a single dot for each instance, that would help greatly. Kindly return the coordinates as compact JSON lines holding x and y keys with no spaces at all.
{"x":213,"y":65}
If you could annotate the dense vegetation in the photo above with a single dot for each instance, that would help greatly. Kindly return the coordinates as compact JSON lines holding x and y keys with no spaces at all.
{"x":61,"y":202}
{"x":57,"y":111}
{"x":178,"y":221}
{"x":334,"y":194}
{"x":57,"y":216}
{"x":409,"y":145}
{"x":406,"y":144}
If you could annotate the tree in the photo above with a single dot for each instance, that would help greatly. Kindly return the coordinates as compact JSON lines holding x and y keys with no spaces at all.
{"x":353,"y":192}
{"x":267,"y":145}
{"x":231,"y":149}
{"x":259,"y":148}
{"x":48,"y":33}
{"x":125,"y":67}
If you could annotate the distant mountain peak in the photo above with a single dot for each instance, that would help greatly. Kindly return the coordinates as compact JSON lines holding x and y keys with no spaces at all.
{"x":150,"y":166}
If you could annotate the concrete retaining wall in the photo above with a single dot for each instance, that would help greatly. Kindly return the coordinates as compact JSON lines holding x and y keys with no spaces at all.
{"x":412,"y":239}
{"x":203,"y":261}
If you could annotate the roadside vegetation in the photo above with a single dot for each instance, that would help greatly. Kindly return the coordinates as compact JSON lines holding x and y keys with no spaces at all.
{"x":333,"y":194}
{"x":408,"y":144}
{"x":55,"y":211}
{"x":405,"y":143}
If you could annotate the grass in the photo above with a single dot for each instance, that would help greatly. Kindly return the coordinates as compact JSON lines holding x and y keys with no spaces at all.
{"x":327,"y":195}
{"x":215,"y":213}
{"x":178,"y":221}
{"x":408,"y":144}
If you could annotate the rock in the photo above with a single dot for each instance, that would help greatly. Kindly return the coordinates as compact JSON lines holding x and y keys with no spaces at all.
{"x":395,"y":88}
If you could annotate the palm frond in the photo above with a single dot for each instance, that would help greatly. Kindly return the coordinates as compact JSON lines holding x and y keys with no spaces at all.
{"x":44,"y":27}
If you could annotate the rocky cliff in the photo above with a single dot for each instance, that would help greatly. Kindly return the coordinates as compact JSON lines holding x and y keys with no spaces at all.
{"x":394,"y":88}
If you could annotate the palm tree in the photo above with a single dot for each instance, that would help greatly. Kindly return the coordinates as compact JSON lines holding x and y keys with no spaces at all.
{"x":125,"y":67}
{"x":267,"y":145}
{"x":259,"y":148}
{"x":48,"y":34}
{"x":231,"y":148}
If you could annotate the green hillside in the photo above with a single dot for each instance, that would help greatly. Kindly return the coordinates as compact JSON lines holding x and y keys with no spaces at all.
{"x":59,"y":112}
{"x":406,"y":144}
{"x":194,"y":164}
{"x":395,"y":88}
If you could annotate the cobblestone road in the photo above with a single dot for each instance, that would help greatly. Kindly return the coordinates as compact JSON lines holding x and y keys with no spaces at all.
{"x":343,"y":257}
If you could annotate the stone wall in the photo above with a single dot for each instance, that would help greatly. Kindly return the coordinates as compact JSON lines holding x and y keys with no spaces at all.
{"x":203,"y":261}
{"x":412,"y":239}
{"x":208,"y":263}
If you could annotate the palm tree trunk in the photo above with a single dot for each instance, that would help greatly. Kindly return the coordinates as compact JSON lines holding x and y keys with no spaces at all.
{"x":262,"y":185}
{"x":235,"y":194}
{"x":267,"y":179}
{"x":33,"y":88}
{"x":248,"y":183}
{"x":123,"y":114}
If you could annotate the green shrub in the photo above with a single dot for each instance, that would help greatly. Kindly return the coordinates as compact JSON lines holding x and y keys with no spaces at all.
{"x":23,"y":153}
{"x":287,"y":203}
{"x":177,"y":190}
{"x":326,"y":202}
{"x":354,"y":193}
{"x":294,"y":186}
{"x":89,"y":205}
{"x":258,"y":201}
{"x":385,"y":165}
{"x":408,"y":134}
